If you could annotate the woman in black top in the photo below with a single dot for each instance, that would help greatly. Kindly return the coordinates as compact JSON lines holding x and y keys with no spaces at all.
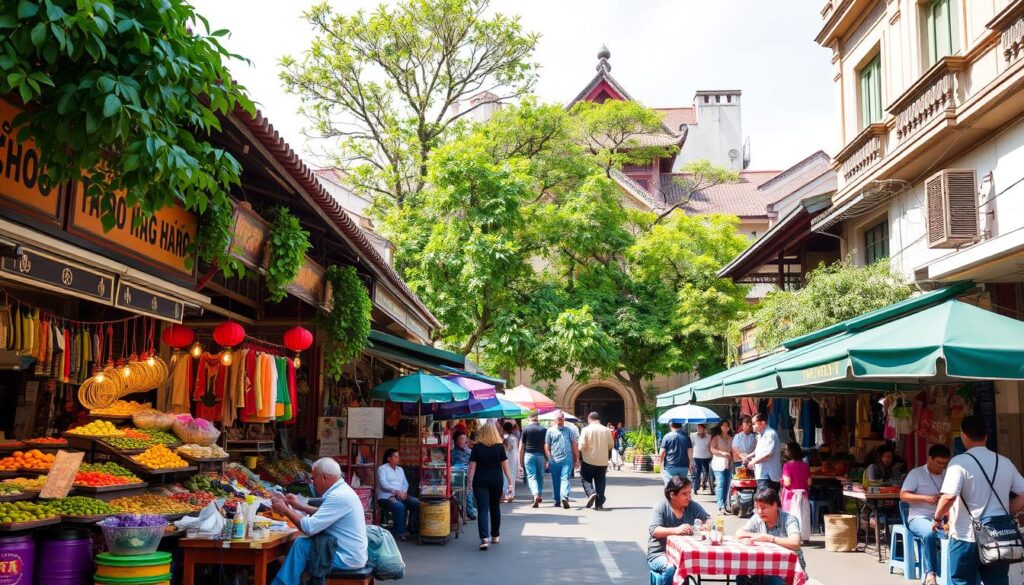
{"x":487,"y":463}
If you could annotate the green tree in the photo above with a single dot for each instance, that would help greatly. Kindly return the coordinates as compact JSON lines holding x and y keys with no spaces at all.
{"x":126,"y":93}
{"x":833,"y":293}
{"x":619,"y":132}
{"x":385,"y":84}
{"x":700,"y":174}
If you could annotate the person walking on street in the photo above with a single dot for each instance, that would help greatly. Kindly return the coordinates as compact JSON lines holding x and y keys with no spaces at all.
{"x":744,"y":442}
{"x":700,"y":464}
{"x":460,"y":459}
{"x":533,"y":458}
{"x":488,"y":464}
{"x":721,"y":464}
{"x":595,"y":445}
{"x":983,"y":482}
{"x":921,"y":491}
{"x":562,"y":450}
{"x":616,"y":462}
{"x":511,"y":443}
{"x":767,"y":456}
{"x":676,"y":453}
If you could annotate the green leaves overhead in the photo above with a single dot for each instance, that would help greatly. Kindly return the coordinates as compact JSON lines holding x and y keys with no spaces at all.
{"x":126,"y":92}
{"x":347,"y":324}
{"x":289,"y":243}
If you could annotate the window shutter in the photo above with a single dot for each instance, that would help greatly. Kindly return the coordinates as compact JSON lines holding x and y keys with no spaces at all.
{"x":952,"y":207}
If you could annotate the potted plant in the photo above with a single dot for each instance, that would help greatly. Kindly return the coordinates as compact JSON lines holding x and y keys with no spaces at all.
{"x":642,"y":443}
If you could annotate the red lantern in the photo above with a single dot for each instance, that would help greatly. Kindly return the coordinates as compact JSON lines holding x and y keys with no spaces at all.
{"x":229,"y":334}
{"x":177,"y":336}
{"x":298,"y":339}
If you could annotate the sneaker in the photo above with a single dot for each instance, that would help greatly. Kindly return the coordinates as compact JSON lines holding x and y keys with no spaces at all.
{"x":536,"y":501}
{"x":591,"y":500}
{"x":565,"y":503}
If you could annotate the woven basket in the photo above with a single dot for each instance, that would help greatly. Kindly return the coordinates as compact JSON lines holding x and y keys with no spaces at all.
{"x":840,"y":532}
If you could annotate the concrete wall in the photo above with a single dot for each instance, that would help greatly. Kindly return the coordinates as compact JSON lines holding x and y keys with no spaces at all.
{"x":719,"y":129}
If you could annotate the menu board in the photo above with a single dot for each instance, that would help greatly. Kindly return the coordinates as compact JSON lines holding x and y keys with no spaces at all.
{"x":366,"y":422}
{"x":62,"y":474}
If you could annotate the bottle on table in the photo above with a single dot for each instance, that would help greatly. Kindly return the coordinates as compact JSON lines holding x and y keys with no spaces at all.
{"x":238,"y":526}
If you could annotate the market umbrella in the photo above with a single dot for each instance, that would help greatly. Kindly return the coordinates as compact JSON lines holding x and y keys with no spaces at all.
{"x":554,"y":415}
{"x":504,"y":409}
{"x":480,"y":390}
{"x":481,"y":395}
{"x":689,"y":414}
{"x":421,"y":387}
{"x":530,"y":399}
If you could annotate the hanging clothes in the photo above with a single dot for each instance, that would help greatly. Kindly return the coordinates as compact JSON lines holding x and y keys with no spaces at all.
{"x":810,"y":422}
{"x":249,"y":408}
{"x":208,"y":392}
{"x":293,"y":395}
{"x":179,"y":384}
{"x":748,"y":406}
{"x":236,"y":372}
{"x":282,"y":388}
{"x":863,"y":421}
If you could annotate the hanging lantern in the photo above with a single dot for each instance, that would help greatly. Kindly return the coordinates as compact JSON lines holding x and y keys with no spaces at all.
{"x":229,"y":334}
{"x":197,"y":349}
{"x":177,"y":336}
{"x":298,"y":339}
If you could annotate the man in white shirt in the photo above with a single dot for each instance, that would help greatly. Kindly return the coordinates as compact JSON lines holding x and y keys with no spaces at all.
{"x":921,"y":491}
{"x":340,"y":515}
{"x":393,"y":494}
{"x":767,"y":456}
{"x":701,"y":463}
{"x":744,"y":442}
{"x":965,"y":479}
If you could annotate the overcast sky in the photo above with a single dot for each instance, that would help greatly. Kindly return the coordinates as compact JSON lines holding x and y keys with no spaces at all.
{"x":662,"y":52}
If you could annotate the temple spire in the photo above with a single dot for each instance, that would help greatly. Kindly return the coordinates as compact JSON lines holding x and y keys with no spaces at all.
{"x":602,"y":59}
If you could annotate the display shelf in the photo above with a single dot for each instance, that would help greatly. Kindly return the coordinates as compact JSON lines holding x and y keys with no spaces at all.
{"x":362,"y":463}
{"x":17,"y":526}
{"x":249,"y":446}
{"x":88,"y":489}
{"x":435,"y":466}
{"x":26,"y":495}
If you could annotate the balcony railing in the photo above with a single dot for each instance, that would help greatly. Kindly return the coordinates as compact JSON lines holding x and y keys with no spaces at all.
{"x":1009,"y":23}
{"x":863,"y":152}
{"x":934,"y":95}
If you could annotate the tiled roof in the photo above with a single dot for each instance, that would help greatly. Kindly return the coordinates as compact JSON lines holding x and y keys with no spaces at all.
{"x":606,"y":77}
{"x":676,"y":117}
{"x":799,"y":174}
{"x":742,"y":198}
{"x":635,"y":189}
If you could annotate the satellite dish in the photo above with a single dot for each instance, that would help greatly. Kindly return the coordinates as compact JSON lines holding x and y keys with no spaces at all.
{"x":733,"y":153}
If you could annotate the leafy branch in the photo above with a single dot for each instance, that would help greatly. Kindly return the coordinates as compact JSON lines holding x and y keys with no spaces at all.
{"x":348,"y":322}
{"x":288,"y":246}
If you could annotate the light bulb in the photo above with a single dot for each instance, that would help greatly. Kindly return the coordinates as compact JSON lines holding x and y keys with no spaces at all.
{"x":100,"y":378}
{"x":150,"y":361}
{"x":225,"y":357}
{"x":126,"y":371}
{"x":297,"y":362}
{"x":197,"y":350}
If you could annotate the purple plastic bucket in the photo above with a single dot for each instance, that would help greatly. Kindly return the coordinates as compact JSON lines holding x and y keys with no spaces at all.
{"x":17,"y":560}
{"x":64,"y":557}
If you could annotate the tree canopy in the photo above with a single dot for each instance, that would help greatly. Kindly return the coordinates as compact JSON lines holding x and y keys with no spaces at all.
{"x":385,"y":85}
{"x":125,"y":93}
{"x":833,"y":293}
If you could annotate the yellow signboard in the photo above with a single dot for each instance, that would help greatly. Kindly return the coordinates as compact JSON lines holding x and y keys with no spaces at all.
{"x":162,"y":239}
{"x":20,"y":171}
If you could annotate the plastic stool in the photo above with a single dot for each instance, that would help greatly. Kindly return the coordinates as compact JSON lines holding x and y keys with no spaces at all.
{"x":901,"y":553}
{"x":945,"y":576}
{"x":818,"y":510}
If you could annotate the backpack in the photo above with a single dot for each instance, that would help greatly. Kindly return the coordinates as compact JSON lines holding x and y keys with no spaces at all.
{"x":999,"y":540}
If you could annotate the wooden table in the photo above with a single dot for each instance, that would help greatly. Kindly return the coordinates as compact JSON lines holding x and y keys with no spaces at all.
{"x":257,"y":554}
{"x":870,"y":501}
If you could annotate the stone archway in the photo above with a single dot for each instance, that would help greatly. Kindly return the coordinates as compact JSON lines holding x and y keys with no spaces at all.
{"x":614,"y":402}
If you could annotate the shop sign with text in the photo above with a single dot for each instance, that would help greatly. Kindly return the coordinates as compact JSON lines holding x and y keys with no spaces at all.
{"x":309,"y":284}
{"x":249,"y":238}
{"x":21,"y":189}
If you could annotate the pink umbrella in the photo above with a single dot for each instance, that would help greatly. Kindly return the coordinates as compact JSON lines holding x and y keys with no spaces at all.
{"x":479,"y":390}
{"x":530,"y":399}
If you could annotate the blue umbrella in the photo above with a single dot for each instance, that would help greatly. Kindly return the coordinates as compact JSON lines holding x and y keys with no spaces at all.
{"x":689,"y":414}
{"x":420,"y":387}
{"x":504,"y":409}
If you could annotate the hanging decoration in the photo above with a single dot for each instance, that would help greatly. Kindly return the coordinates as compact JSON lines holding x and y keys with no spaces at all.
{"x":177,"y":336}
{"x":228,"y":335}
{"x":298,"y":339}
{"x":347,"y":324}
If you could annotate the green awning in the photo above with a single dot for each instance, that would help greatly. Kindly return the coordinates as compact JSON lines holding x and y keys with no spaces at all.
{"x":415,"y":355}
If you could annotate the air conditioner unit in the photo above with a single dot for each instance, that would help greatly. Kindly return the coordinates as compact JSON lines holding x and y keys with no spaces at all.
{"x":952,"y":207}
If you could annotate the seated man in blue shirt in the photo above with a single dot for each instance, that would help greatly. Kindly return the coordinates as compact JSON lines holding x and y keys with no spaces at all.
{"x":340,"y":515}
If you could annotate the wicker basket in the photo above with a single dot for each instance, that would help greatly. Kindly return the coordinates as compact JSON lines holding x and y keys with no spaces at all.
{"x":840,"y":532}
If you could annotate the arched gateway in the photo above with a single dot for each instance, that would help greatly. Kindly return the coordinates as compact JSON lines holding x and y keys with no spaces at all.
{"x":602,"y":399}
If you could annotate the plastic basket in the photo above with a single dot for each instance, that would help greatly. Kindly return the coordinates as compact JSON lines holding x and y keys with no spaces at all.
{"x":195,"y":436}
{"x":137,"y":540}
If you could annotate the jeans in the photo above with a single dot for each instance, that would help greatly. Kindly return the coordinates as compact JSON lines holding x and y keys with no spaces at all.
{"x":668,"y":473}
{"x":767,"y":483}
{"x":534,"y":464}
{"x":722,"y":480}
{"x":661,"y":565}
{"x":295,"y":563}
{"x":399,"y":509}
{"x":594,"y":480}
{"x":560,"y":479}
{"x":966,"y":568}
{"x":701,"y":469}
{"x":921,"y":527}
{"x":487,"y":491}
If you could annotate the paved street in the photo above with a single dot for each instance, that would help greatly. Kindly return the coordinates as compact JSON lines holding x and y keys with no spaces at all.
{"x":552,"y":545}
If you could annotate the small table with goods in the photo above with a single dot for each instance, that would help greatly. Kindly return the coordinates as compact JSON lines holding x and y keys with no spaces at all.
{"x":257,"y":554}
{"x":435,"y":488}
{"x":695,"y":557}
{"x":871,"y":501}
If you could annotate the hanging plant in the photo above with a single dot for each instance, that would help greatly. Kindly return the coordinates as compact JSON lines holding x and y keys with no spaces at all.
{"x":348,"y":323}
{"x":288,"y":246}
{"x":213,"y":236}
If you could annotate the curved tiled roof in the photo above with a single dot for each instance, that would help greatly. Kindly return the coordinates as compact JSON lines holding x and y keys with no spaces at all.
{"x":742,"y":198}
{"x":264,"y":131}
{"x":676,"y":117}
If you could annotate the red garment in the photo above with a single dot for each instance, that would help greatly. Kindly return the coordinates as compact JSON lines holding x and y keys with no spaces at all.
{"x":211,"y":375}
{"x":293,"y":395}
{"x":249,"y":410}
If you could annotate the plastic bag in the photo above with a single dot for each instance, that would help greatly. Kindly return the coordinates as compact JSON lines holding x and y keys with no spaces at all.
{"x":384,"y":556}
{"x":208,"y":522}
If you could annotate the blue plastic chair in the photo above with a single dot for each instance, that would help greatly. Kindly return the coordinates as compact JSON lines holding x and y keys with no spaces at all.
{"x":904,"y":548}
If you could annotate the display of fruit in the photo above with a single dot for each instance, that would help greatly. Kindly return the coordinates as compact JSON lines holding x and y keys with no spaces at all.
{"x":742,"y":473}
{"x":204,"y":483}
{"x":121,"y":408}
{"x":160,"y":436}
{"x":34,"y":459}
{"x":25,"y":484}
{"x":152,"y":504}
{"x":129,"y":444}
{"x":159,"y":457}
{"x":9,"y":464}
{"x":100,"y":479}
{"x":27,"y":511}
{"x":9,"y":489}
{"x":198,"y":500}
{"x":97,"y":428}
{"x":11,"y":444}
{"x":83,"y":506}
{"x":200,"y":452}
{"x":108,"y":467}
{"x":47,"y":441}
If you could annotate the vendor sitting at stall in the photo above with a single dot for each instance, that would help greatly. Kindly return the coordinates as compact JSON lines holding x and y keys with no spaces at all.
{"x":770,"y":524}
{"x":393,"y":494}
{"x":339,"y":518}
{"x":460,"y":458}
{"x":675,"y":515}
{"x":884,"y":468}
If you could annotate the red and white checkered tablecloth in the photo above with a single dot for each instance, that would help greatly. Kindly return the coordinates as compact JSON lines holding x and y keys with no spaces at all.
{"x":699,"y":557}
